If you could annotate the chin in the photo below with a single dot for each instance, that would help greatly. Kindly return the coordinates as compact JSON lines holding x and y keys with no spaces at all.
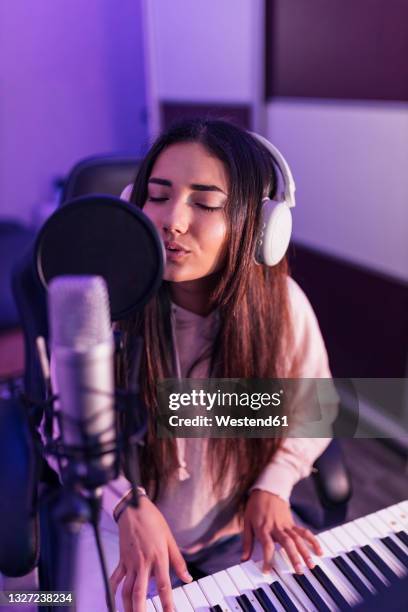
{"x":179,"y":276}
{"x":175,"y":276}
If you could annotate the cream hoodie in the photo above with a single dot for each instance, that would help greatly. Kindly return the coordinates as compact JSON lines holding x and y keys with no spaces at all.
{"x":195,"y":514}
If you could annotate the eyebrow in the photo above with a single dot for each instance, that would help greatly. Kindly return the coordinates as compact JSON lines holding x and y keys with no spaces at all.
{"x":193,"y":186}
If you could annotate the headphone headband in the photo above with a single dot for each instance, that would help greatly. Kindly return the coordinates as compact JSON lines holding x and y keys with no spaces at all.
{"x":288,"y":180}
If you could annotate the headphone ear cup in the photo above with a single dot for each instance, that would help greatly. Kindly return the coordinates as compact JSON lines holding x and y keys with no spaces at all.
{"x":126,"y":193}
{"x":275,"y":232}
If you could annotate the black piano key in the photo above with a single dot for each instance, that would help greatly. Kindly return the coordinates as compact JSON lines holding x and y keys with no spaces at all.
{"x":396,"y":550}
{"x":352,"y":577}
{"x":378,"y":562}
{"x":283,"y":597}
{"x":330,"y":588}
{"x":245,"y":604}
{"x":264,"y":600}
{"x":403,"y":536}
{"x":216,"y":608}
{"x":311,"y":592}
{"x":365,"y":569}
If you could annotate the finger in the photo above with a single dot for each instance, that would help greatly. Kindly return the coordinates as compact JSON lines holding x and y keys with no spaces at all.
{"x":116,"y":578}
{"x":268,"y":548}
{"x":127,"y":591}
{"x":139,"y":593}
{"x":310,"y":538}
{"x":177,"y":562}
{"x":163,"y":584}
{"x":302,"y":549}
{"x":288,"y":544}
{"x":247,"y":541}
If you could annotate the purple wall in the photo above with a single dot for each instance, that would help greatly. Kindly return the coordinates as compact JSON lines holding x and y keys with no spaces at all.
{"x":72,"y":85}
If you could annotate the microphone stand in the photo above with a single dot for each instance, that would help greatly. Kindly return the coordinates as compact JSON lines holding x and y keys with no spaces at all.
{"x":79,"y":499}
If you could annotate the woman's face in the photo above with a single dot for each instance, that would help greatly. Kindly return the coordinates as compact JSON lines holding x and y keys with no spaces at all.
{"x":187,"y":193}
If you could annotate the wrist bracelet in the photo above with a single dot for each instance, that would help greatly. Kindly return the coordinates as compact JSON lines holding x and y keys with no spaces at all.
{"x":125,"y":503}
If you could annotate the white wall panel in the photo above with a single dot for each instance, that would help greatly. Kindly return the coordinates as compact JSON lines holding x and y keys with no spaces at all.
{"x":350,"y":162}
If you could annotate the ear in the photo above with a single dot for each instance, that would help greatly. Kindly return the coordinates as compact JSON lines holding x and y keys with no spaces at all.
{"x":125,"y":195}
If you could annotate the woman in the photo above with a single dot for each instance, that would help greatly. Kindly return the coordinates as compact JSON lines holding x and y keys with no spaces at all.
{"x":217,"y":314}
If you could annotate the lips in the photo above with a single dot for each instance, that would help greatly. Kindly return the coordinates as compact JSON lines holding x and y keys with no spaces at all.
{"x":175,"y":247}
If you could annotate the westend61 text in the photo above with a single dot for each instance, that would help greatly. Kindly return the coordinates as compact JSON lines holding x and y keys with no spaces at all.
{"x":228,"y":421}
{"x":201,"y":398}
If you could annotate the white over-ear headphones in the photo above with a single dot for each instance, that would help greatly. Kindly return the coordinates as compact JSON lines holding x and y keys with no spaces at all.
{"x":276,"y":224}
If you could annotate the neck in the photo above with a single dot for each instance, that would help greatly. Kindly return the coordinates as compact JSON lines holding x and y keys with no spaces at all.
{"x":194,"y":295}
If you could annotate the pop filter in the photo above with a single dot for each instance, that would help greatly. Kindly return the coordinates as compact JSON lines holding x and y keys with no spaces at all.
{"x":104,"y":236}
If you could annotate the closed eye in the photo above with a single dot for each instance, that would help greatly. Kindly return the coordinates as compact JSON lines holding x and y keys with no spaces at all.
{"x":152,"y":199}
{"x":208,"y":208}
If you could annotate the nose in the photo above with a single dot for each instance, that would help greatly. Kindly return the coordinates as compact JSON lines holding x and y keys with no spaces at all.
{"x":176,"y":217}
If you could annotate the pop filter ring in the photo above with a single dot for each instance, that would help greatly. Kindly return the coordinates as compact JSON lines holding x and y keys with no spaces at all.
{"x":62,"y":236}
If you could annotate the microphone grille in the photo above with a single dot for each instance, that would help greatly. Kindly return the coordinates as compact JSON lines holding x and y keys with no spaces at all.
{"x":79,"y":311}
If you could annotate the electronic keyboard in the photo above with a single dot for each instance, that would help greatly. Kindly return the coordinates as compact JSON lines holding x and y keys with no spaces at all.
{"x":361,"y":559}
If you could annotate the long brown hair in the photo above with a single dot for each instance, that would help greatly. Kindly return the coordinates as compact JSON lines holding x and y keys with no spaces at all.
{"x":251,"y":300}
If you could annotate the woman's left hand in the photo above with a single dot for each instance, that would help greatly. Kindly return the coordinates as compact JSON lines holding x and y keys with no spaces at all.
{"x":268,"y":518}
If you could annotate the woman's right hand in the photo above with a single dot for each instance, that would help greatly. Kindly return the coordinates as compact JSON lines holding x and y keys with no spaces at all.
{"x":146,"y":547}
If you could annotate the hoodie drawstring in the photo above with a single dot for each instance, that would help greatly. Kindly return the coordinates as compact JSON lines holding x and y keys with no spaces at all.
{"x":183,"y":473}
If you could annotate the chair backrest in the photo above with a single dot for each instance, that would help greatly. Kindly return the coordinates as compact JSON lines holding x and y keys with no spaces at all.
{"x":102,"y":174}
{"x":14,"y":240}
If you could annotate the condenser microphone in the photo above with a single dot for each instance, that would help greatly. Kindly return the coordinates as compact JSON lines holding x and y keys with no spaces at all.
{"x":82,"y":372}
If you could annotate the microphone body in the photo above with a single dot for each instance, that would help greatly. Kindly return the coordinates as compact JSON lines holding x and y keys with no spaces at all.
{"x":82,"y":372}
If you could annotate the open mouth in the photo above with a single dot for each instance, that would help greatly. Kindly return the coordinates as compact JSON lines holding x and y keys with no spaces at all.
{"x":175,"y":250}
{"x":173,"y":247}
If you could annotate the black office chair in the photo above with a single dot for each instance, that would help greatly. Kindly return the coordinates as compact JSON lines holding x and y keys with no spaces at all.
{"x":14,"y":239}
{"x":100,"y":174}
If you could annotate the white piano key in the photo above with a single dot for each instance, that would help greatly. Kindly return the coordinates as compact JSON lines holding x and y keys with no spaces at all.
{"x":363,"y":533}
{"x":334,"y":574}
{"x":327,"y":538}
{"x":327,"y":551}
{"x":367,"y":534}
{"x":331,"y":548}
{"x":228,"y":589}
{"x":336,"y":549}
{"x":393,"y":525}
{"x":243,"y":584}
{"x":387,"y":527}
{"x":404,"y":506}
{"x":313,"y":581}
{"x":285,"y":571}
{"x":379,"y":525}
{"x":260,"y":580}
{"x":344,"y":537}
{"x":349,"y":543}
{"x":181,"y":601}
{"x":392,"y":521}
{"x":340,"y":543}
{"x":239,"y":577}
{"x":213,"y":593}
{"x":196,"y":596}
{"x":149,"y":606}
{"x":401,"y":514}
{"x":157,"y":603}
